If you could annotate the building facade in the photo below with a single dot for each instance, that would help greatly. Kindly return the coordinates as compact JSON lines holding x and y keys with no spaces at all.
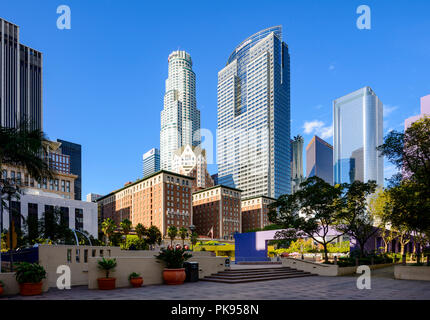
{"x":358,"y":131}
{"x":151,"y":162}
{"x":217,"y":212}
{"x":20,"y":80}
{"x":74,"y":151}
{"x":319,"y":159}
{"x":93,"y":197}
{"x":296,"y":163}
{"x":191,"y":161}
{"x":180,"y":118}
{"x":253,"y":145}
{"x":162,"y":199}
{"x":255,"y":213}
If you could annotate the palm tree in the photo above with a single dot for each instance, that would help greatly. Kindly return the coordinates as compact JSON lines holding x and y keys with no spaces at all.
{"x":183,"y":233}
{"x":126,"y":227}
{"x":153,"y":236}
{"x":140,"y":230}
{"x":108,"y":228}
{"x":172,"y":232}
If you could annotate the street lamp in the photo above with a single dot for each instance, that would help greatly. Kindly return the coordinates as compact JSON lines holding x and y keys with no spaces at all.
{"x":10,"y":190}
{"x":192,"y":229}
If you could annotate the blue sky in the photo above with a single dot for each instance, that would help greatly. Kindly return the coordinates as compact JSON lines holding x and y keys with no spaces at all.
{"x":104,"y":79}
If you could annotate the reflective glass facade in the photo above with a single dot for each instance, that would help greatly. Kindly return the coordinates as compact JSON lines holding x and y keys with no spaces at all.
{"x":253,"y":145}
{"x":74,"y":150}
{"x":151,"y":162}
{"x":319,"y":159}
{"x":358,"y":131}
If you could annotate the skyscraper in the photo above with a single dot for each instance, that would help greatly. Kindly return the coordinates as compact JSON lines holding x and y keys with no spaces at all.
{"x":180,"y":118}
{"x":151,"y":162}
{"x":358,"y":131}
{"x":425,"y":110}
{"x":20,"y":80}
{"x":296,"y":163}
{"x":253,"y":145}
{"x":74,"y":150}
{"x":319,"y":159}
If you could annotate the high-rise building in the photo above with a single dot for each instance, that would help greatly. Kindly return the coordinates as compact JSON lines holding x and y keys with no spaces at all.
{"x":215,"y":178}
{"x":180,"y":118}
{"x":151,"y":162}
{"x":191,"y":161}
{"x":253,"y":145}
{"x":20,"y":80}
{"x":425,"y":110}
{"x":319,"y":159}
{"x":74,"y":150}
{"x":358,"y":131}
{"x":296,"y":163}
{"x":92,"y":197}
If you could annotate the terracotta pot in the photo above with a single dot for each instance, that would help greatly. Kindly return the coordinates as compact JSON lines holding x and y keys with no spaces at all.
{"x":30,"y":289}
{"x":174,"y":276}
{"x":136,"y":282}
{"x":106,"y":283}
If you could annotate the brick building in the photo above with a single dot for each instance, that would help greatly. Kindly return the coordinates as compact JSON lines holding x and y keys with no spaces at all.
{"x":162,"y":199}
{"x":254,"y":212}
{"x":217,"y":207}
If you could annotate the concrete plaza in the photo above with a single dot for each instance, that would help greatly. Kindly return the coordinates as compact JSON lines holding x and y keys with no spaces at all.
{"x":383,"y":287}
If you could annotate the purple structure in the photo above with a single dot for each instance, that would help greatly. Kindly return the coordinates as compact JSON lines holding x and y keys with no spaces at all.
{"x":425,"y":110}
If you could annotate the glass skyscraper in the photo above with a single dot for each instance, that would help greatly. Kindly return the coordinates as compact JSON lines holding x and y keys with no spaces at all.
{"x":319,"y":159}
{"x":74,"y":150}
{"x":180,"y":118}
{"x":151,"y":162}
{"x":253,"y":145}
{"x":358,"y":131}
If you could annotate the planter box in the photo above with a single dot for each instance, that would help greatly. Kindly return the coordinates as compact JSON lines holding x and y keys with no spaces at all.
{"x":412,"y":273}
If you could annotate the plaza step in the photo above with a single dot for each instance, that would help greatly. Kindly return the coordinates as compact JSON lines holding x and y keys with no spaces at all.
{"x":252,"y":275}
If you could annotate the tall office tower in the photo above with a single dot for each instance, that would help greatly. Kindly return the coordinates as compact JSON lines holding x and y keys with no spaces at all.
{"x":296,"y":163}
{"x":151,"y":162}
{"x":253,"y":145}
{"x":180,"y":118}
{"x":319,"y":159}
{"x":425,"y":111}
{"x":20,"y":80}
{"x":74,"y":150}
{"x":358,"y":131}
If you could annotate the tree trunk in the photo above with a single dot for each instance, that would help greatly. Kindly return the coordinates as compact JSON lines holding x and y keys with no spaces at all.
{"x":325,"y":253}
{"x":418,"y":252}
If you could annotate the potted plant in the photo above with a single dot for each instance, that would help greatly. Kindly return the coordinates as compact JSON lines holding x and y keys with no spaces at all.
{"x":135,"y":279}
{"x":107,"y":265}
{"x":173,"y":259}
{"x":29,"y":277}
{"x":1,"y":287}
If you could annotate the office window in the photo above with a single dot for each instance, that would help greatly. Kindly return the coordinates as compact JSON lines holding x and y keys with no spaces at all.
{"x":79,"y":219}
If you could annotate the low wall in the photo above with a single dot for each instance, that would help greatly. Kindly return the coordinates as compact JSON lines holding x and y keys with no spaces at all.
{"x":324,"y":269}
{"x":11,"y":286}
{"x":412,"y":272}
{"x":148,"y":268}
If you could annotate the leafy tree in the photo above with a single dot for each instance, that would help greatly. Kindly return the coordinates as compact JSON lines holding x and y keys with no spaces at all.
{"x":183,"y":233}
{"x":108,"y":229}
{"x":140,"y":230}
{"x":358,"y":220}
{"x":126,"y":228}
{"x":380,"y":210}
{"x":153,"y":236}
{"x":172,"y":232}
{"x":311,"y":211}
{"x":193,"y":238}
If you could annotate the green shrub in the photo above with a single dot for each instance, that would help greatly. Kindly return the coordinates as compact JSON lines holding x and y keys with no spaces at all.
{"x":107,"y":265}
{"x":29,"y":273}
{"x":133,"y":275}
{"x":173,"y":258}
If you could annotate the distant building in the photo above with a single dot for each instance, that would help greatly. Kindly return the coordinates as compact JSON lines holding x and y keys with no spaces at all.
{"x":215,"y":178}
{"x":74,"y":150}
{"x":319,"y":159}
{"x":191,"y":161}
{"x":92,"y":197}
{"x":151,"y":162}
{"x":425,"y":110}
{"x":217,"y":212}
{"x":296,"y":163}
{"x":20,"y":80}
{"x":254,"y":213}
{"x":162,"y":199}
{"x":358,"y":131}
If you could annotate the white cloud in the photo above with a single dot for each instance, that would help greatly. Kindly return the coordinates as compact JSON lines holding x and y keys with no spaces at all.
{"x":389,"y":109}
{"x":318,"y":127}
{"x":331,"y":67}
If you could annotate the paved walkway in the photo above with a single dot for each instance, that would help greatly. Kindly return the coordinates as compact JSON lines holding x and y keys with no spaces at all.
{"x":384,"y":287}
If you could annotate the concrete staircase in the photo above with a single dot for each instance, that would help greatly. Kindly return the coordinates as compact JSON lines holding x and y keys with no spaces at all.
{"x":256,"y":274}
